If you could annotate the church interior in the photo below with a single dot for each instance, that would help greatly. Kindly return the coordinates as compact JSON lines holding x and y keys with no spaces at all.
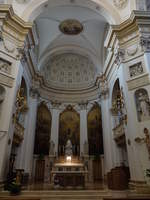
{"x":74,"y":99}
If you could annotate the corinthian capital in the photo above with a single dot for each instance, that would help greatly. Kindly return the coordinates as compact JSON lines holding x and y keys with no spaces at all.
{"x":103,"y":85}
{"x":119,"y":56}
{"x":83,"y":105}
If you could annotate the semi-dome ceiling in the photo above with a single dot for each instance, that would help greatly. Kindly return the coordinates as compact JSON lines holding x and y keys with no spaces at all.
{"x":71,"y":47}
{"x":69,"y":71}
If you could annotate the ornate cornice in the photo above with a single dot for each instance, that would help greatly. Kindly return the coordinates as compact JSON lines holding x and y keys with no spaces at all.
{"x":12,"y":25}
{"x":131,"y":38}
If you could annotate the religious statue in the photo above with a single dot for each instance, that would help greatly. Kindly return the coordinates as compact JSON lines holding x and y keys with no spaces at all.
{"x":146,"y":140}
{"x":144,"y":106}
{"x":68,"y":148}
{"x":52,"y":148}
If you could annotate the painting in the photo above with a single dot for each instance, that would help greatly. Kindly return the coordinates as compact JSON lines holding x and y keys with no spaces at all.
{"x":69,"y":129}
{"x":95,"y":136}
{"x":43,"y":130}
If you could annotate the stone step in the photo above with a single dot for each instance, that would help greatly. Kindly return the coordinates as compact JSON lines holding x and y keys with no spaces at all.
{"x":57,"y":195}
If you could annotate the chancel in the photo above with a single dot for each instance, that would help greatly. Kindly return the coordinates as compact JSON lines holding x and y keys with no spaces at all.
{"x":75,"y":99}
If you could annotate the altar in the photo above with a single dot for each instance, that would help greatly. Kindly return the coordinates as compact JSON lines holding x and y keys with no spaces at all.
{"x":69,"y":174}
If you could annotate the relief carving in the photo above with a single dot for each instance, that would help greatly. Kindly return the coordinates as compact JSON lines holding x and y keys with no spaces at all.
{"x":132,"y":51}
{"x":136,"y":69}
{"x":5,"y":66}
{"x":9,"y":46}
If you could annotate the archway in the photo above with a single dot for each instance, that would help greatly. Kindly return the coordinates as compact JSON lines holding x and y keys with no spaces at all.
{"x":95,"y":136}
{"x":69,"y":128}
{"x":95,"y":140}
{"x":43,"y":130}
{"x":111,"y":14}
{"x":42,"y":141}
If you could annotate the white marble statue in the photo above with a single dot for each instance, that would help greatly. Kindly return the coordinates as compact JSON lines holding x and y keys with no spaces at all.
{"x":143,"y":106}
{"x":68,"y":148}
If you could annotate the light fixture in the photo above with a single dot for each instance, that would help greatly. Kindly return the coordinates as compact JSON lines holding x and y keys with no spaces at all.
{"x":68,"y":159}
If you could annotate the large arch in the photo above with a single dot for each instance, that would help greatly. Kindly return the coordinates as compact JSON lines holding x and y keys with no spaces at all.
{"x":103,"y":7}
{"x":95,"y":135}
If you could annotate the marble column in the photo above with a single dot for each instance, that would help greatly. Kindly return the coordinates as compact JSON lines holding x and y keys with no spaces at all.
{"x":107,"y":135}
{"x":55,"y":127}
{"x":83,"y":127}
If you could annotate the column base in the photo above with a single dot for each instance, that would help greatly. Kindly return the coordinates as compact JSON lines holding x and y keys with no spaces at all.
{"x":141,"y":187}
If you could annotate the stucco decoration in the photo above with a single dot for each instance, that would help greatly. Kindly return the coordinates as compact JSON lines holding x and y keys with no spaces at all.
{"x":132,"y":50}
{"x":69,"y":71}
{"x":136,"y":69}
{"x":9,"y":46}
{"x":120,"y":4}
{"x":22,"y":1}
{"x":5,"y":66}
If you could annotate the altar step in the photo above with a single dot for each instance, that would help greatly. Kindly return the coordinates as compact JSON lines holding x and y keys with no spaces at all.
{"x":75,"y":195}
{"x":57,"y":195}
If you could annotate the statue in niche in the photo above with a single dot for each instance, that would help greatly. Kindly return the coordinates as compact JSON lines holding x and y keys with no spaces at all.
{"x":68,"y":148}
{"x":52,"y":148}
{"x":143,"y":104}
{"x":146,"y":140}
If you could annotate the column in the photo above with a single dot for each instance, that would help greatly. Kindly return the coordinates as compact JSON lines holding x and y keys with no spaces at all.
{"x":55,"y":126}
{"x":83,"y":128}
{"x":107,"y":135}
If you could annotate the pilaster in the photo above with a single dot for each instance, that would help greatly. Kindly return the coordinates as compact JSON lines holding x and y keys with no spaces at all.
{"x":55,"y":126}
{"x":83,"y":127}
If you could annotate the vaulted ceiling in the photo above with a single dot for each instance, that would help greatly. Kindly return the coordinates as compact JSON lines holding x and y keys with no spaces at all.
{"x":90,"y":40}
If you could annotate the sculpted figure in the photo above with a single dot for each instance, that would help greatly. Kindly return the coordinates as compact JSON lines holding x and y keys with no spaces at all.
{"x":145,"y":140}
{"x":68,"y":148}
{"x":143,"y":106}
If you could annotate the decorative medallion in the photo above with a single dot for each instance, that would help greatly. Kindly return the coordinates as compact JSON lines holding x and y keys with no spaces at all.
{"x":120,"y":4}
{"x":71,"y":27}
